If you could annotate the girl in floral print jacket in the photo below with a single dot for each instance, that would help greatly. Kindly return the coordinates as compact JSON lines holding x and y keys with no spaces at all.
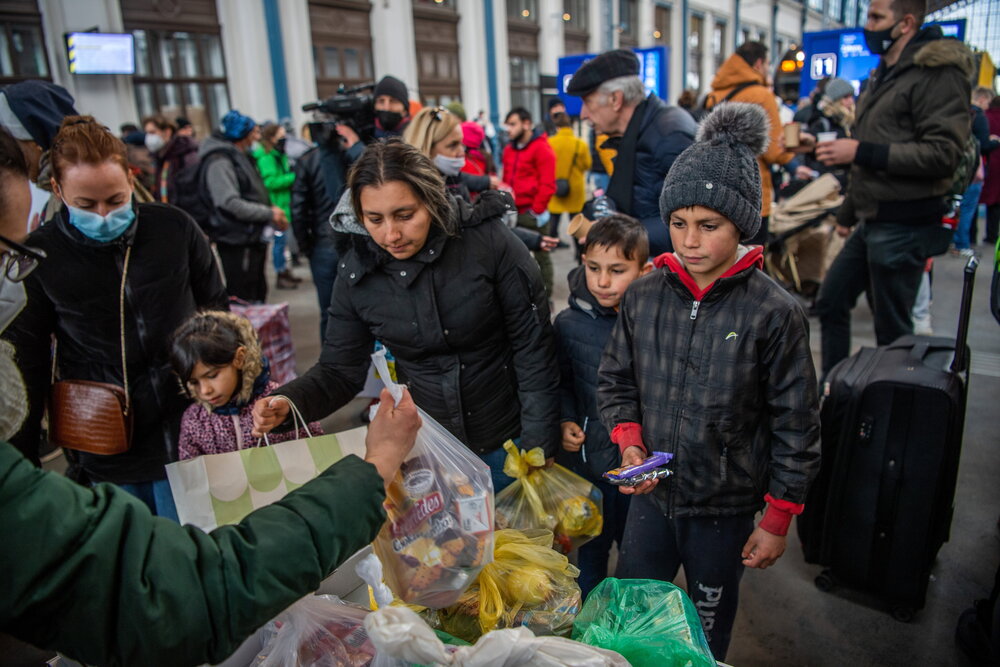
{"x":218,"y":359}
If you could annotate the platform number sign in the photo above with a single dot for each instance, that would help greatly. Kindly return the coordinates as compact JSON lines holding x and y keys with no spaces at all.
{"x":822,"y":65}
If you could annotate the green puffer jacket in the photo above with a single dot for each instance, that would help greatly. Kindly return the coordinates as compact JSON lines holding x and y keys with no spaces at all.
{"x":278,"y":178}
{"x":90,"y":573}
{"x":912,"y":122}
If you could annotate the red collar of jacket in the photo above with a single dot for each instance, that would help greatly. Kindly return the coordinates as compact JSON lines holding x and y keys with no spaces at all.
{"x":750,"y":257}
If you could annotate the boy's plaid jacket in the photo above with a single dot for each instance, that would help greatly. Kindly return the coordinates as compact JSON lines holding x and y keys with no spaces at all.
{"x":726,"y":384}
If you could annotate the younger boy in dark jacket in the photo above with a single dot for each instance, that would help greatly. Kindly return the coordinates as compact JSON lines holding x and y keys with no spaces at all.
{"x":616,"y":253}
{"x":710,"y":360}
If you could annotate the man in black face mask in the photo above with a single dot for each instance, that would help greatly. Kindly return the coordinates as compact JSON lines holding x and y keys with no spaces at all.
{"x":392,"y":107}
{"x":910,"y":133}
{"x":320,"y":177}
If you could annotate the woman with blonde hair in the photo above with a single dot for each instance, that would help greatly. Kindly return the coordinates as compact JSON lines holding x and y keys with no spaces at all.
{"x":437,"y":133}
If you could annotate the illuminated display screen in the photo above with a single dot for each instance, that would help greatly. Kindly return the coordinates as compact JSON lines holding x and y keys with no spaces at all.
{"x":100,"y":53}
{"x":843,"y":53}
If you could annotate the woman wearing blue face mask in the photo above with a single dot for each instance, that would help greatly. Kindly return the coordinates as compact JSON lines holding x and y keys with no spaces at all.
{"x":119,"y":279}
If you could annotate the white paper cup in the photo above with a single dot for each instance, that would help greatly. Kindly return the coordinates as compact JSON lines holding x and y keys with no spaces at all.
{"x":823,"y":137}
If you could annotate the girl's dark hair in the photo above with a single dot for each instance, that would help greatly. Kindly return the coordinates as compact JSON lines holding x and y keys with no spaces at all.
{"x":393,"y":160}
{"x":212,"y":338}
{"x":623,"y":232}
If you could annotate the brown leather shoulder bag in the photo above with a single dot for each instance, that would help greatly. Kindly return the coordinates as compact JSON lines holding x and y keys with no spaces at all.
{"x":94,"y":417}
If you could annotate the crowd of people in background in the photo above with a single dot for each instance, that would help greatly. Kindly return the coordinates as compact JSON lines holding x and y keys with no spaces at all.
{"x":432,"y":238}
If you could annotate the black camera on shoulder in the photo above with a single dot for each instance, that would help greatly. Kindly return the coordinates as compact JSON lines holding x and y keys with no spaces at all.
{"x":352,"y":106}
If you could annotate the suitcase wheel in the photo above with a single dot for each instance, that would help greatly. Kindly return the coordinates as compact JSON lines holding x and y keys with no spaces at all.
{"x":825,"y":581}
{"x":903,"y":613}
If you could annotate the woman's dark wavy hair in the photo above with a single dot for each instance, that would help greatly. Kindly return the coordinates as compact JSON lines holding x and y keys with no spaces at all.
{"x":393,"y":160}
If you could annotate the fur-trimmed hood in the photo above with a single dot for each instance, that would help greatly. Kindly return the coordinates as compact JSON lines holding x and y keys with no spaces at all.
{"x":944,"y":52}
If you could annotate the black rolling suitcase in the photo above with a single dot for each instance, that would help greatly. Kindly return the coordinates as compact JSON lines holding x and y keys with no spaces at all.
{"x":881,"y":506}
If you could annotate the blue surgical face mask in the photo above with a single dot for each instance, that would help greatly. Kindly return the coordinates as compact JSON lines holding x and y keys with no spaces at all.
{"x":102,"y":228}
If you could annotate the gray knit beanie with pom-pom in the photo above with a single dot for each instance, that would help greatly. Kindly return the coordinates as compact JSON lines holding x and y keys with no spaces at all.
{"x":719,"y":171}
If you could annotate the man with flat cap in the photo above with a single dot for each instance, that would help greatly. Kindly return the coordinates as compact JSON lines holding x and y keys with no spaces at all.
{"x":648,"y":134}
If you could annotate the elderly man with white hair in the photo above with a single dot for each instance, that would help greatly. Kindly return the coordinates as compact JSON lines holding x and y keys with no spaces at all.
{"x":647,"y":133}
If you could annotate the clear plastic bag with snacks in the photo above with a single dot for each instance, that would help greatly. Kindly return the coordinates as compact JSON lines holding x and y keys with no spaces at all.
{"x":439,"y":532}
{"x":528,"y":584}
{"x":321,"y":630}
{"x":554,"y":499}
{"x":651,"y":623}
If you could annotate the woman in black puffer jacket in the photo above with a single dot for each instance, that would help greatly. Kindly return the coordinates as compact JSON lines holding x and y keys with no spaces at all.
{"x":109,"y":261}
{"x":455,"y":297}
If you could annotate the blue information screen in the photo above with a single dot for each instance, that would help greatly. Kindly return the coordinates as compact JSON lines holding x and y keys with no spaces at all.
{"x":654,"y":65}
{"x":844,"y":53}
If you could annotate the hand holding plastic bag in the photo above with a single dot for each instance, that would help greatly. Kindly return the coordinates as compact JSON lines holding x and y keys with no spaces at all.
{"x":399,"y":633}
{"x":527,"y":584}
{"x":439,"y":531}
{"x":551,"y":498}
{"x":651,"y":623}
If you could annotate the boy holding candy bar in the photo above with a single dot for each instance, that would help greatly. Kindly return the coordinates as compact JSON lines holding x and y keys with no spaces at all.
{"x":615,"y":254}
{"x":710,"y":361}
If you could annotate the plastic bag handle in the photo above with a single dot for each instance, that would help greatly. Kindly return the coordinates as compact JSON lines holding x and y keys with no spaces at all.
{"x":382,"y":366}
{"x":298,"y":421}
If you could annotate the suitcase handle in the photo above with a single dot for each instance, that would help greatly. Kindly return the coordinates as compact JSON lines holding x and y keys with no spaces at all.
{"x":961,"y":362}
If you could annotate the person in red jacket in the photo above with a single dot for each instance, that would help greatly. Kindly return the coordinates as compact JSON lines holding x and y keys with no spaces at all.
{"x":529,"y":167}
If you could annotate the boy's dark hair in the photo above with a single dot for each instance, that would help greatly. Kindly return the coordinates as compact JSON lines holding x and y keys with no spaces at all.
{"x":752,"y":52}
{"x":623,"y":232}
{"x":520,"y":112}
{"x":560,"y":119}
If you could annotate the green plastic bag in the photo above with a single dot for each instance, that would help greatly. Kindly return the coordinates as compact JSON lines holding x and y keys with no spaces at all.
{"x":651,"y":623}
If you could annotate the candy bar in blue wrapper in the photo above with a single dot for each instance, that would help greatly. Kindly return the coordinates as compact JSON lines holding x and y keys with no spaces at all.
{"x":651,"y":468}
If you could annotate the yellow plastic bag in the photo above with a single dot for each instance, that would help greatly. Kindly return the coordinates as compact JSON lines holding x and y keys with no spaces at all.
{"x":527,"y":584}
{"x":554,"y":499}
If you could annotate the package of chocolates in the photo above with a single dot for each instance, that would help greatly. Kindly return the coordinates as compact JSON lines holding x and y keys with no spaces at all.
{"x":653,"y":467}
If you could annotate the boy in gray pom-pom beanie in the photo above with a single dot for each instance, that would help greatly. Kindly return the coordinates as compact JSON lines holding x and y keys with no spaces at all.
{"x":710,"y":360}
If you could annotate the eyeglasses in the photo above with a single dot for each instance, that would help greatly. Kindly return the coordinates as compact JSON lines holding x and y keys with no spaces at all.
{"x":19,"y":261}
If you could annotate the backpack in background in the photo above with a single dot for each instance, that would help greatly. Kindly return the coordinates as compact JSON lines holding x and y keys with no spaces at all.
{"x":192,"y":191}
